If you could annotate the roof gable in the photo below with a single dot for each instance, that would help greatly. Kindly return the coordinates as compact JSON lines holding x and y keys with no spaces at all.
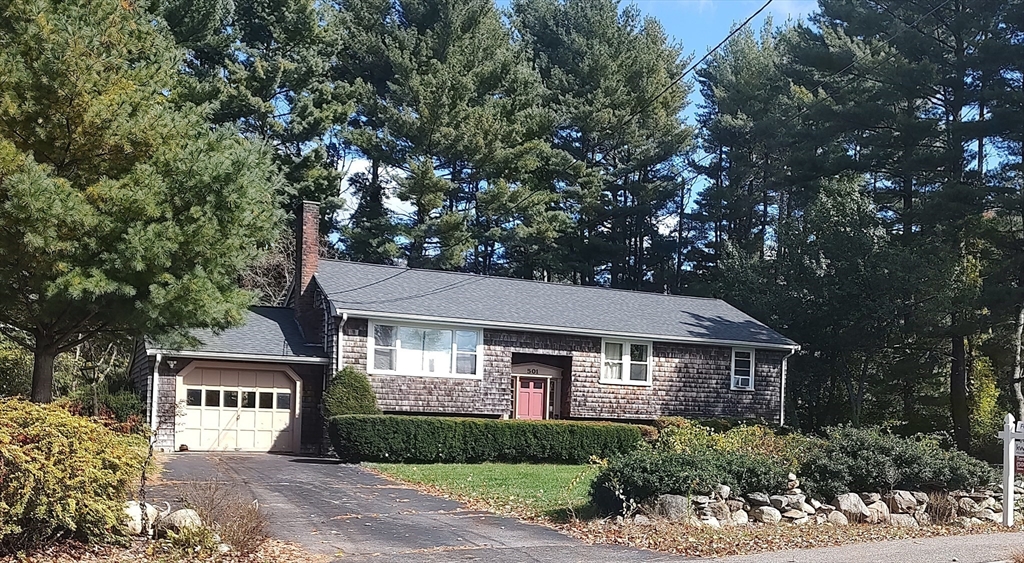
{"x":397,"y":292}
{"x":266,"y":331}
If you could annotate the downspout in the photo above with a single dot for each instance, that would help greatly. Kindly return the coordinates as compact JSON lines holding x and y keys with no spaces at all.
{"x":154,"y":394}
{"x":782,"y":387}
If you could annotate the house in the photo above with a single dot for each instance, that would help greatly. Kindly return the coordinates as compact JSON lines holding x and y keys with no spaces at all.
{"x":450,"y":343}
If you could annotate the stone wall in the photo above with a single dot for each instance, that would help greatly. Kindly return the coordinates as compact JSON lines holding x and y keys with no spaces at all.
{"x":688,"y":380}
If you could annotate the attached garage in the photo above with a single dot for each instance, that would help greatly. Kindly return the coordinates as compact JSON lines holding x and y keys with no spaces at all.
{"x":228,"y":406}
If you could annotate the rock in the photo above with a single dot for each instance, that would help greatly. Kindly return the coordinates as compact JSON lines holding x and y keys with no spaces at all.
{"x":869,"y":498}
{"x":794,"y":491}
{"x":735,"y":505}
{"x":879,"y":513}
{"x":619,"y":520}
{"x":989,"y":515}
{"x":801,"y":521}
{"x":852,"y":507}
{"x":791,"y":477}
{"x":820,"y":519}
{"x":902,"y":502}
{"x":903,"y":520}
{"x":779,"y":502}
{"x":826,"y":508}
{"x":641,"y":519}
{"x":739,"y":518}
{"x":923,"y":518}
{"x":837,"y":518}
{"x":723,"y":491}
{"x":997,"y":507}
{"x":814,"y":504}
{"x":765,"y":514}
{"x":808,"y":509}
{"x":794,"y":514}
{"x":710,"y":521}
{"x":966,"y":506}
{"x":758,"y":499}
{"x":920,"y":497}
{"x":179,"y":520}
{"x":673,"y":507}
{"x":693,"y":521}
{"x":719,"y":510}
{"x":792,"y":484}
{"x":795,"y":499}
{"x":987,"y":502}
{"x":700,"y":501}
{"x":223,"y":548}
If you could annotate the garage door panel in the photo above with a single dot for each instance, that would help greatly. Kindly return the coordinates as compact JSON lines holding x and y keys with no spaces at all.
{"x":229,"y":409}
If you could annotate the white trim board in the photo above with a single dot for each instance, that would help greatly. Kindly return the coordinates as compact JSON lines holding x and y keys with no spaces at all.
{"x":192,"y":354}
{"x":562,"y":330}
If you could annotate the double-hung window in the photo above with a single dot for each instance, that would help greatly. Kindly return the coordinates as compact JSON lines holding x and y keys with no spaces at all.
{"x":742,"y":369}
{"x":626,"y":362}
{"x":422,"y":350}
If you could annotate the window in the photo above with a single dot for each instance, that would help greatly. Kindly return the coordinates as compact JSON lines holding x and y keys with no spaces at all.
{"x":231,"y":399}
{"x":424,"y":350}
{"x":266,"y":400}
{"x":193,"y":397}
{"x":248,"y":399}
{"x":742,"y":369}
{"x":627,"y":363}
{"x":212,"y":398}
{"x":284,"y":401}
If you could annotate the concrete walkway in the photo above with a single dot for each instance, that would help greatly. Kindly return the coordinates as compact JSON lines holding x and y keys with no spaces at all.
{"x":350,"y":514}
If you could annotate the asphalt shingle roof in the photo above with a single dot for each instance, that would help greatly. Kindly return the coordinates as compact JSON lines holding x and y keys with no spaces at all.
{"x":370,"y":288}
{"x":268,"y":331}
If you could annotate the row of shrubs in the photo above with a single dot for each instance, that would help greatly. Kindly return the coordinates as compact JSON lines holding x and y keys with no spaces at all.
{"x":431,"y":439}
{"x":688,"y":459}
{"x":62,"y":476}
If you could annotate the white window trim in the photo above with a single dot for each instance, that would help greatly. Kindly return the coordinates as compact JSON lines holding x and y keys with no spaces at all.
{"x":732,"y":370}
{"x":626,"y":363}
{"x":479,"y":350}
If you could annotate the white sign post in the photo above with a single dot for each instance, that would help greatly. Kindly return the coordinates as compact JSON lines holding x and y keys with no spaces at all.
{"x":1010,"y":435}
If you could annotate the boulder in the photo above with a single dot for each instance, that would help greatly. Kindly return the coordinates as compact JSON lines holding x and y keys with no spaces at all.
{"x":923,"y":518}
{"x":837,"y":518}
{"x":641,"y":519}
{"x":723,"y":491}
{"x":719,"y":510}
{"x":791,"y":477}
{"x":987,"y":502}
{"x":903,"y":520}
{"x":735,"y":505}
{"x":879,"y":513}
{"x":814,"y":504}
{"x":758,"y":499}
{"x":794,"y":514}
{"x":795,"y":499}
{"x":902,"y":502}
{"x":184,"y":519}
{"x":133,"y":513}
{"x":673,"y":507}
{"x":920,"y":497}
{"x":765,"y":514}
{"x":710,"y":521}
{"x":988,"y":515}
{"x":739,"y":518}
{"x":851,"y":506}
{"x":966,"y":506}
{"x":794,"y":491}
{"x":808,"y":509}
{"x":700,"y":501}
{"x":801,"y":521}
{"x":869,"y":498}
{"x":779,"y":502}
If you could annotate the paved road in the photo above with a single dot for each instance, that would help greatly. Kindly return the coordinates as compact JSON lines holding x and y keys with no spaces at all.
{"x":351,"y":514}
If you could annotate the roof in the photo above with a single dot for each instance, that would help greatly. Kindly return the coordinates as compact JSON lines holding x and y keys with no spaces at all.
{"x":270,"y":332}
{"x":395,"y":292}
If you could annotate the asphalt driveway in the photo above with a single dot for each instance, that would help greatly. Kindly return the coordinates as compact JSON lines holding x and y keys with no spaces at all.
{"x":348,"y":513}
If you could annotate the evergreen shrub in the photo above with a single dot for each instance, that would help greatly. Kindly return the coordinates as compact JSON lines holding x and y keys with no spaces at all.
{"x":62,"y":476}
{"x":432,"y":439}
{"x":349,"y":393}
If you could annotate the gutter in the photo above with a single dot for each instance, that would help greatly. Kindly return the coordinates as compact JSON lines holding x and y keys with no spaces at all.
{"x":241,"y":357}
{"x":154,"y":395}
{"x":782,"y":386}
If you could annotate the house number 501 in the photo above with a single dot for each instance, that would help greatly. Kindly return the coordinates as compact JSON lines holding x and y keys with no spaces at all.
{"x":532,"y":371}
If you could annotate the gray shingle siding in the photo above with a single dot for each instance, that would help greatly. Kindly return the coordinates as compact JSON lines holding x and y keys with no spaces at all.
{"x":688,"y":380}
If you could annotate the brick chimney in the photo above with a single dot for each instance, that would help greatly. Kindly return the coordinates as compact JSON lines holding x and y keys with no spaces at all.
{"x":307,"y":261}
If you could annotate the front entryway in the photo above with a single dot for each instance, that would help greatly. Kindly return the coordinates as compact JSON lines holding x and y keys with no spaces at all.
{"x":536,"y":395}
{"x":238,"y":408}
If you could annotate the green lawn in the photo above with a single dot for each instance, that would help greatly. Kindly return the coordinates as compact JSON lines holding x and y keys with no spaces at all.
{"x":558,"y":492}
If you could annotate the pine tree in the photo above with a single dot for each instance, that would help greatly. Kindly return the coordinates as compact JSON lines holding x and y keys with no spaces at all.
{"x":121,"y":213}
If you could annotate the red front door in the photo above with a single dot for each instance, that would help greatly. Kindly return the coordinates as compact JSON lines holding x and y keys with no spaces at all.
{"x":532,"y":399}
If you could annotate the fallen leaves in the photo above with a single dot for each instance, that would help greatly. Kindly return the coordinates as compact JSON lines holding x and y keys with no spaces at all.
{"x":269,"y":551}
{"x":705,"y":541}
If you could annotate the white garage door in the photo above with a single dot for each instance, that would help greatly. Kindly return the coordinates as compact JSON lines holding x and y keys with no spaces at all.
{"x":232,"y":409}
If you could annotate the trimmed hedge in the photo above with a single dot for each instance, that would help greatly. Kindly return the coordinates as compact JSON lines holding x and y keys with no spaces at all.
{"x":350,"y":393}
{"x":431,"y":439}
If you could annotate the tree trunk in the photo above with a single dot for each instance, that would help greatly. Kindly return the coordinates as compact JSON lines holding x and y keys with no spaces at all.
{"x":958,"y":394}
{"x":42,"y":373}
{"x":1017,"y":333}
